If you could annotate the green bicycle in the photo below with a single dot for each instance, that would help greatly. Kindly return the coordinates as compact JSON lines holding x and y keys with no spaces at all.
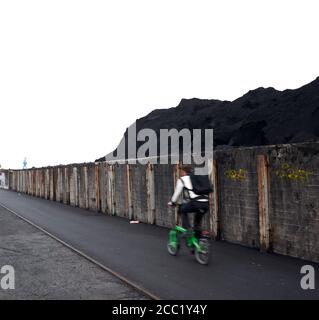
{"x":200,"y":246}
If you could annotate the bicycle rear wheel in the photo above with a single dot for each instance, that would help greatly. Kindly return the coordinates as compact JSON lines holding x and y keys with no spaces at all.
{"x":173,"y":243}
{"x":202,"y":254}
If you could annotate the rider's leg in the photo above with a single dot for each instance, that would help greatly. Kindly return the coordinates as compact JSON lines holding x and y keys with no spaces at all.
{"x":201,"y":209}
{"x":197,"y":223}
{"x":184,"y":210}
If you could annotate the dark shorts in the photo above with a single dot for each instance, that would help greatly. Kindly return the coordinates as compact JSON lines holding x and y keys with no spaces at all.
{"x":199,"y":208}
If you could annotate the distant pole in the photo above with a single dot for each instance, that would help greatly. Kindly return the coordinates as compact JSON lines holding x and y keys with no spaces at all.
{"x":25,"y":163}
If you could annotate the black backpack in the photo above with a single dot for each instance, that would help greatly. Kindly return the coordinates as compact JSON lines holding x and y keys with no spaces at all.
{"x":201,"y":184}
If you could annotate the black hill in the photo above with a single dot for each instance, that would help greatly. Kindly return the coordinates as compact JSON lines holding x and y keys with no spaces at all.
{"x":263,"y":116}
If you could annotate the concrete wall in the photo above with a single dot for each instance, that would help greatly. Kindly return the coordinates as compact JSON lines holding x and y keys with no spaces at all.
{"x":4,"y":179}
{"x":238,"y":195}
{"x":294,"y":201}
{"x":164,"y":182}
{"x":264,"y":197}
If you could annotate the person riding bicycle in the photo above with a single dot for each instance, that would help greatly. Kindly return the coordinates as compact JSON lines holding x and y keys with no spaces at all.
{"x":192,"y":202}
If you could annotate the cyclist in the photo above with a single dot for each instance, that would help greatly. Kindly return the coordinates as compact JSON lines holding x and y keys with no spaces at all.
{"x":192,"y":202}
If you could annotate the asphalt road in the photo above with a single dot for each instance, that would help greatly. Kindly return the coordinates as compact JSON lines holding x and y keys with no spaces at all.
{"x":138,"y":252}
{"x":47,"y":270}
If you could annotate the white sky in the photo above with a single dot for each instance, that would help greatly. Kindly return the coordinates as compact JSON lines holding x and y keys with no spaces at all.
{"x":75,"y":74}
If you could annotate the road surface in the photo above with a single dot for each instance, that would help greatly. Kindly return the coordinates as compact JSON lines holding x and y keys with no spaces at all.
{"x":138,"y":253}
{"x":47,"y":270}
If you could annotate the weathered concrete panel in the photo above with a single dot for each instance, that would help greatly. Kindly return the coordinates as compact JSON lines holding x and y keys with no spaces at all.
{"x":56,"y":184}
{"x":74,"y":200}
{"x":139,"y":192}
{"x":27,"y":175}
{"x":110,"y":187}
{"x":103,"y":186}
{"x":19,"y":180}
{"x":93,"y":187}
{"x":42,"y":182}
{"x":83,"y":187}
{"x":150,"y":185}
{"x":31,"y":182}
{"x":47,"y":184}
{"x":66,"y":185}
{"x":52,"y":186}
{"x":120,"y":198}
{"x":31,"y":177}
{"x":238,"y":197}
{"x":58,"y":189}
{"x":294,"y":205}
{"x":164,"y":188}
{"x":37,"y":184}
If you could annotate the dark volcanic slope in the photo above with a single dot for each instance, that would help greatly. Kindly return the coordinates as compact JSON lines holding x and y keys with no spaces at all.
{"x":260,"y":117}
